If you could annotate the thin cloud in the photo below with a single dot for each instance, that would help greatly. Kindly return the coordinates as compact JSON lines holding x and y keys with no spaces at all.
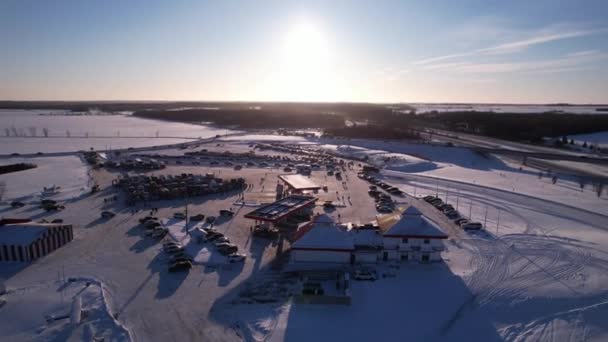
{"x":566,"y":63}
{"x":515,"y":46}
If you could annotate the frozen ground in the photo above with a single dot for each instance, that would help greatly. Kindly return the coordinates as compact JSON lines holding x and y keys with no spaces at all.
{"x":538,"y":273}
{"x":21,"y":131}
{"x":69,"y":173}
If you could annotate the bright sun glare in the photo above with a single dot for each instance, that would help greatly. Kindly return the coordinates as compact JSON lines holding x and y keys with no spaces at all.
{"x":305,"y":72}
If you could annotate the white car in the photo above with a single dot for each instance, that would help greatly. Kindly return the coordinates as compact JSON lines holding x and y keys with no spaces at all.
{"x":236,"y":257}
{"x":221,"y":240}
{"x":364,"y":275}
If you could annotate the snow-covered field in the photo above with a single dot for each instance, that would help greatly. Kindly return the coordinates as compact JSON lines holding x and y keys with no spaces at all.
{"x":599,"y":138}
{"x":69,"y":173}
{"x":538,"y":273}
{"x":23,"y":132}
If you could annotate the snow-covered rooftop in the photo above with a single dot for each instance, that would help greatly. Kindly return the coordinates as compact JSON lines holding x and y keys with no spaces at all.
{"x":413,"y":224}
{"x":21,"y":234}
{"x":366,"y":237}
{"x":299,"y":182}
{"x":325,"y":234}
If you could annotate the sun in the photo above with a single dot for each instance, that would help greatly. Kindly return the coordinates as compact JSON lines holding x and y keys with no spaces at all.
{"x":304,"y":70}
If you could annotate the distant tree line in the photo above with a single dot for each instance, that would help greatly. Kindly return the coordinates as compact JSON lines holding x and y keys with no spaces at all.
{"x":249,"y":118}
{"x":372,"y":132}
{"x":517,"y":126}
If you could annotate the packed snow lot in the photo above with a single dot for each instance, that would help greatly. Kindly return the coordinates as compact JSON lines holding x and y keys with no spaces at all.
{"x":538,"y":272}
{"x":69,"y":173}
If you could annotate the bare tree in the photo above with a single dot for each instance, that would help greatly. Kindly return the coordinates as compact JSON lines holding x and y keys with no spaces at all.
{"x":7,"y":132}
{"x":14,"y":130}
{"x":33,"y":131}
{"x":67,"y":133}
{"x":45,"y":132}
{"x":599,"y":188}
{"x":581,"y":182}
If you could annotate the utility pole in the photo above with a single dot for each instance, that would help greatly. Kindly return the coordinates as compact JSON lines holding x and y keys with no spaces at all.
{"x":470,"y":210}
{"x":497,"y":222}
{"x":447,"y":194}
{"x":485,"y":218}
{"x":437,"y":190}
{"x":457,"y":198}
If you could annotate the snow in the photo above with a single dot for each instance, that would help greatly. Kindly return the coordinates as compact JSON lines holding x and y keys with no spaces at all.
{"x":598,"y":138}
{"x":299,"y":182}
{"x":537,"y":272}
{"x":264,"y":137}
{"x":96,"y":131}
{"x":325,"y":234}
{"x":54,"y":299}
{"x":412,"y":223}
{"x":21,"y":234}
{"x":68,"y":172}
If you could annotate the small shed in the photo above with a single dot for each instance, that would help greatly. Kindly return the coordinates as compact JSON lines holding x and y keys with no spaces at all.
{"x":24,"y":242}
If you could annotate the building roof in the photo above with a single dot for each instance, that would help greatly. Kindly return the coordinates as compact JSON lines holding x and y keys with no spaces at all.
{"x":414,"y":225}
{"x":299,"y":182}
{"x":278,"y":210}
{"x":22,"y":234}
{"x":366,"y":238}
{"x":324,"y":234}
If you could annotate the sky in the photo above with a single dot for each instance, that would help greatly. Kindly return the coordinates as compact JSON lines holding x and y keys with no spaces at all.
{"x":357,"y":51}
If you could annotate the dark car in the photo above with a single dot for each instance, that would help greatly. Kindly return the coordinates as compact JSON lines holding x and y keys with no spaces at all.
{"x":226,"y":213}
{"x":228,"y":249}
{"x":17,"y":204}
{"x":197,"y":218}
{"x":184,"y":265}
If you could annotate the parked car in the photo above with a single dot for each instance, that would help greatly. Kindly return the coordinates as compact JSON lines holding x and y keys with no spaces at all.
{"x":227,"y":249}
{"x":221,"y":240}
{"x":328,"y":205}
{"x":238,"y":167}
{"x":452,"y":214}
{"x":213,"y":236}
{"x":472,"y":226}
{"x":152,"y":224}
{"x":57,"y":221}
{"x":236,"y":257}
{"x":226,"y":213}
{"x":265,"y":232}
{"x":17,"y":204}
{"x":107,"y":214}
{"x":461,"y":221}
{"x":180,"y":266}
{"x":158,"y":232}
{"x":179,"y":216}
{"x":147,"y":218}
{"x":197,"y":218}
{"x":365,"y":275}
{"x":175,"y":258}
{"x":429,"y":198}
{"x":174,"y":249}
{"x":210,"y":219}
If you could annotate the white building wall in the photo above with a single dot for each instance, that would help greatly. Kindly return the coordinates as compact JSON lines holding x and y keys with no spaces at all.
{"x":321,"y":256}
